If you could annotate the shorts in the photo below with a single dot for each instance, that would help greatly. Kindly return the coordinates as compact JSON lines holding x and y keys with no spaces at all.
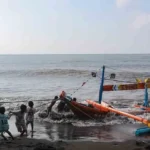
{"x":29,"y":122}
{"x":21,"y":127}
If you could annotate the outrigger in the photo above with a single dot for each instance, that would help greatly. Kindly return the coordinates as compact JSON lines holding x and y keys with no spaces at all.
{"x":135,"y":86}
{"x":102,"y":107}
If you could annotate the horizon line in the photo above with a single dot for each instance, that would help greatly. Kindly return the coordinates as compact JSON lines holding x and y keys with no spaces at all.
{"x":79,"y":54}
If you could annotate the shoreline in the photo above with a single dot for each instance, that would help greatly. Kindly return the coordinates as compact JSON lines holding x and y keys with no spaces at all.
{"x":35,"y":144}
{"x":48,"y":137}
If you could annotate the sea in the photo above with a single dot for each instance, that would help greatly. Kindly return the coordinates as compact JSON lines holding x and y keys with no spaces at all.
{"x":41,"y":77}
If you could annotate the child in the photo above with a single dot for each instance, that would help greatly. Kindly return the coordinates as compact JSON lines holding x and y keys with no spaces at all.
{"x":20,"y":121}
{"x":4,"y":126}
{"x":30,"y":115}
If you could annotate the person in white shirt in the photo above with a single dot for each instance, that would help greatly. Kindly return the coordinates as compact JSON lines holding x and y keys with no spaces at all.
{"x":30,"y":115}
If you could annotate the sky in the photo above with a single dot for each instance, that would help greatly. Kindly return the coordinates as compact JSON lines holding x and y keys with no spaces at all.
{"x":74,"y":26}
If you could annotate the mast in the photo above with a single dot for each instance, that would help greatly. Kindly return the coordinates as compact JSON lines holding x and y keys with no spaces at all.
{"x":101,"y":85}
{"x":146,"y":96}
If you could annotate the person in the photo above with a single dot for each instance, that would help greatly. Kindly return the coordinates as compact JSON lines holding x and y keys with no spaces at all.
{"x":74,"y":99}
{"x":66,"y":107}
{"x":61,"y":106}
{"x":4,"y":126}
{"x":20,"y":120}
{"x":49,"y":108}
{"x":30,"y":115}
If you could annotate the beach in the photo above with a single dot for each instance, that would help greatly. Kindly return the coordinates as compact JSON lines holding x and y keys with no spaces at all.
{"x":32,"y":144}
{"x":75,"y":74}
{"x":46,"y":137}
{"x":40,"y":77}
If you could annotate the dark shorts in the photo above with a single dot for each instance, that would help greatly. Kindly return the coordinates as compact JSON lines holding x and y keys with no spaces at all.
{"x":21,"y":127}
{"x":29,"y":122}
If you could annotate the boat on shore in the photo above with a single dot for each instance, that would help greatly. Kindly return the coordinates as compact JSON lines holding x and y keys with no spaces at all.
{"x":93,"y":108}
{"x":84,"y":111}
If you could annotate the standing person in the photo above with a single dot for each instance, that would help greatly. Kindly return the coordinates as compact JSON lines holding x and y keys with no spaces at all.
{"x":20,"y":120}
{"x":4,"y":126}
{"x":30,"y":115}
{"x":52,"y":104}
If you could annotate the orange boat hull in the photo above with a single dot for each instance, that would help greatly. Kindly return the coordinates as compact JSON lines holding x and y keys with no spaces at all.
{"x":147,"y":109}
{"x":125,"y":87}
{"x":102,"y":107}
{"x":83,"y":111}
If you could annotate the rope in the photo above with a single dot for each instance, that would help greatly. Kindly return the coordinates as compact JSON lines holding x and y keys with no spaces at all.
{"x":82,"y":111}
{"x":24,"y":101}
{"x":84,"y":83}
{"x":145,"y":76}
{"x":119,"y":69}
{"x":42,"y":105}
{"x":74,"y":107}
{"x":118,"y":80}
{"x":45,"y":103}
{"x":80,"y":86}
{"x":121,"y":81}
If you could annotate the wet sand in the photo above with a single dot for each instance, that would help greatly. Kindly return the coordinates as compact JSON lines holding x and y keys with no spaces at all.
{"x":65,"y":132}
{"x":67,"y":137}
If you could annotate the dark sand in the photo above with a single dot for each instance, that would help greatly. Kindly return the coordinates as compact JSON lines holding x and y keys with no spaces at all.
{"x":33,"y":144}
{"x":66,"y":137}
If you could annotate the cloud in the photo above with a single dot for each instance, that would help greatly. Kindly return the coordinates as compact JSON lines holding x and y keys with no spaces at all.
{"x":122,"y":3}
{"x":141,"y":20}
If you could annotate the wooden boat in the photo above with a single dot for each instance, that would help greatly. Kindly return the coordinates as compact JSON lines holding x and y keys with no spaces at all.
{"x":83,"y":111}
{"x":139,"y":85}
{"x":103,"y":108}
{"x":145,"y":109}
{"x":134,"y":86}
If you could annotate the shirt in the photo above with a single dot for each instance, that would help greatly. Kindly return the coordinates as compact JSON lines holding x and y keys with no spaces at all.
{"x":19,"y":117}
{"x":30,"y":114}
{"x":4,"y":126}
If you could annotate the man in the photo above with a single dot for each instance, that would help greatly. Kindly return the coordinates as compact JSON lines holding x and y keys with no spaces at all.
{"x":52,"y":104}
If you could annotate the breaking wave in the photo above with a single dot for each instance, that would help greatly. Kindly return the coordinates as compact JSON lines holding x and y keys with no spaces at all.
{"x":69,"y":72}
{"x":44,"y":72}
{"x":68,"y":117}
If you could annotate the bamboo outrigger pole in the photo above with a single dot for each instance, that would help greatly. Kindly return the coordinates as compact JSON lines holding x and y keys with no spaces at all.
{"x":99,"y":106}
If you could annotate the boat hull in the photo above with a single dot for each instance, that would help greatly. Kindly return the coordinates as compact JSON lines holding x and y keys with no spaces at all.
{"x":145,"y":109}
{"x":135,"y":86}
{"x":83,"y":111}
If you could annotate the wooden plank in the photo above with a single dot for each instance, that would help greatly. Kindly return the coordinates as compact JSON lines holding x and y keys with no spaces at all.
{"x":120,"y":87}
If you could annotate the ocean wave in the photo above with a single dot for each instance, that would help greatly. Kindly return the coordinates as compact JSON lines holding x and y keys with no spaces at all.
{"x":59,"y":118}
{"x":71,"y":72}
{"x":44,"y":72}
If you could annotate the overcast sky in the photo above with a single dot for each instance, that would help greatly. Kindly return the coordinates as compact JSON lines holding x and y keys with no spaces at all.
{"x":74,"y":26}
